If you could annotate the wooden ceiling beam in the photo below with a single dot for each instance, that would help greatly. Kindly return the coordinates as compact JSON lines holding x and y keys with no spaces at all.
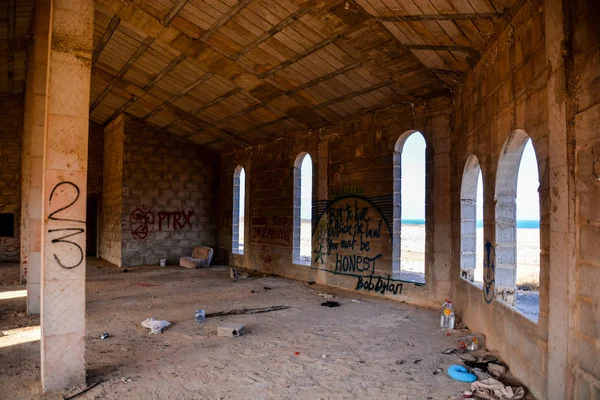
{"x":301,"y":55}
{"x":174,"y":11}
{"x":112,"y":27}
{"x":224,"y":19}
{"x":465,"y":49}
{"x":215,"y":101}
{"x":121,"y":110}
{"x":165,"y":71}
{"x":353,"y":94}
{"x":437,"y":17}
{"x":138,"y":53}
{"x":95,"y":104}
{"x":274,"y":30}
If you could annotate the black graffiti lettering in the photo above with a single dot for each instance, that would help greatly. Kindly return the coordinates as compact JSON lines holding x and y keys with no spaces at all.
{"x":52,"y":215}
{"x":62,"y":240}
{"x":381,"y":286}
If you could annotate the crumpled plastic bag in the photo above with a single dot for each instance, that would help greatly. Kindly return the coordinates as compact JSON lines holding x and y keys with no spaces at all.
{"x":156,"y":326}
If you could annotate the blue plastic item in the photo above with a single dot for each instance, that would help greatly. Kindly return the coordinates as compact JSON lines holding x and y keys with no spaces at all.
{"x":460,"y":373}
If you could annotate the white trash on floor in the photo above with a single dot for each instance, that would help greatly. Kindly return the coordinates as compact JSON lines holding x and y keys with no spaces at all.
{"x":155,"y":325}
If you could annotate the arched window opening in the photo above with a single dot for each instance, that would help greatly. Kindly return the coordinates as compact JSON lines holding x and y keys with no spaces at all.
{"x":239,"y":195}
{"x":409,"y":207}
{"x":517,"y":226}
{"x":471,"y":222}
{"x":301,"y":249}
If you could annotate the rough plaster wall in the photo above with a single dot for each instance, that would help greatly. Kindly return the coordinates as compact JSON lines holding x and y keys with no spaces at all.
{"x":11,"y":131}
{"x":358,"y":158}
{"x":112,"y":192}
{"x":504,"y":92}
{"x":169,"y":199}
{"x":586,"y":346}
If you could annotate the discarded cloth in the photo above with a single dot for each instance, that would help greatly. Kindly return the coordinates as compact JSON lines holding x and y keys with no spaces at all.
{"x":491,"y":389}
{"x":156,"y":326}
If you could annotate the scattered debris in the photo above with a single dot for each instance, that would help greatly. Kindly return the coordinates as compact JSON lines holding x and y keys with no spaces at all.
{"x":126,"y":380}
{"x":231,"y":329}
{"x":449,"y":350}
{"x":437,"y":371}
{"x":472,"y":342}
{"x":418,"y":360}
{"x":123,"y":349}
{"x":245,"y":275}
{"x":357,"y":301}
{"x":156,"y":326}
{"x":460,"y":373}
{"x":246,"y":311}
{"x":310,"y":283}
{"x":85,"y":390}
{"x":467,"y":394}
{"x":409,"y":344}
{"x":267,"y":288}
{"x":496,"y":369}
{"x":324,"y":356}
{"x":331,"y":304}
{"x":495,"y":390}
{"x":104,"y":336}
{"x":399,"y":362}
{"x":200,"y":316}
{"x":326,"y":295}
{"x":297,"y":353}
{"x":233,"y":273}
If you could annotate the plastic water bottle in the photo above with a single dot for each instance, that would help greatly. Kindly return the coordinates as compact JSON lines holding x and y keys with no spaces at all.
{"x":200,"y":316}
{"x":472,"y":342}
{"x":447,"y":318}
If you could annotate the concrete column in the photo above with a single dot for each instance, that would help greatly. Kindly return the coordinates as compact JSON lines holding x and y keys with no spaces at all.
{"x":33,"y":153}
{"x":561,"y":274}
{"x":64,"y":194}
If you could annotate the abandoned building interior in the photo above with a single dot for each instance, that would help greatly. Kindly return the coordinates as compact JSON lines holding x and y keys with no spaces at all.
{"x":278,"y":148}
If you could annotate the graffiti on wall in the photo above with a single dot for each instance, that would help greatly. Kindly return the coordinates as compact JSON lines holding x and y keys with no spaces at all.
{"x":271,"y":230}
{"x":352,"y":236}
{"x":143,"y":221}
{"x":489,"y":272}
{"x":10,"y":246}
{"x":62,"y":248}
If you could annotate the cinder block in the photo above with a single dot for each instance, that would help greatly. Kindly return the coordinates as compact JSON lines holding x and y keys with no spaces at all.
{"x":231,"y":329}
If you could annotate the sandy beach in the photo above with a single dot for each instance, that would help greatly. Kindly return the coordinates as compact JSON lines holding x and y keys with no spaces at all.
{"x":528,"y":253}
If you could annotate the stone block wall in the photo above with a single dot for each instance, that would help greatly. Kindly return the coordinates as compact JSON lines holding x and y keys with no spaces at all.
{"x":11,"y":132}
{"x":169,"y":204}
{"x":353,"y":170}
{"x":505,"y":92}
{"x":112,"y":191}
{"x":585,"y":106}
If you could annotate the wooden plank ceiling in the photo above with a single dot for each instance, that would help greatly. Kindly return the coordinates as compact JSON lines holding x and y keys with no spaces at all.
{"x":229,"y":74}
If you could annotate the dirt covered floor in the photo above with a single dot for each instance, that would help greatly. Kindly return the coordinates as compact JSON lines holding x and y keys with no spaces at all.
{"x":376,"y":349}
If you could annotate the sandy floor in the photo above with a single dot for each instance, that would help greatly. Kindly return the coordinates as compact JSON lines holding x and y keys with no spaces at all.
{"x":377,"y":349}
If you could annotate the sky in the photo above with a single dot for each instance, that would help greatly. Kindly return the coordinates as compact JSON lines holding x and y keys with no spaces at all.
{"x":413,"y":182}
{"x":242,"y":191}
{"x":306,"y":182}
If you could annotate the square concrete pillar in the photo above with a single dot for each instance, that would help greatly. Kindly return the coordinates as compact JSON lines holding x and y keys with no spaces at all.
{"x":64,"y":182}
{"x":32,"y":157}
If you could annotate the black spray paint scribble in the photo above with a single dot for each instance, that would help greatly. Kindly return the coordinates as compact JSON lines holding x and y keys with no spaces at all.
{"x":76,"y":231}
